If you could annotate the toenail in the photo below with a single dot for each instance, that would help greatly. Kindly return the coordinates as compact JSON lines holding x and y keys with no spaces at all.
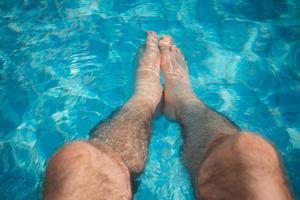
{"x":166,"y":37}
{"x":152,"y":33}
{"x":172,"y":47}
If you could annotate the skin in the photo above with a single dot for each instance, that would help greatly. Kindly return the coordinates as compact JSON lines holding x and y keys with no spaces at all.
{"x":101,"y":168}
{"x":224,"y":162}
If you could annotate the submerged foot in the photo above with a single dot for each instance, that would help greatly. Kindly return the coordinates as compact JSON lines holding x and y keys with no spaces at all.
{"x":175,"y":71}
{"x":148,"y":87}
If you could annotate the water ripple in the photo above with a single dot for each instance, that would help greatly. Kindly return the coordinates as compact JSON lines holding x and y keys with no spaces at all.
{"x":65,"y":65}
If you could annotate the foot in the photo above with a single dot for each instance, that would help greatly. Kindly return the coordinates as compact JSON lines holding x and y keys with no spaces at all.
{"x":177,"y":86}
{"x":148,"y":87}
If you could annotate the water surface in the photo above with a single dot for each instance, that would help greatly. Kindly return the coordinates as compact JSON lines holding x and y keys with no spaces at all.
{"x":67,"y":64}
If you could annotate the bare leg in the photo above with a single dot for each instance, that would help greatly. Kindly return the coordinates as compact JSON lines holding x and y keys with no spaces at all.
{"x":127,"y":131}
{"x":243,"y":166}
{"x":214,"y":175}
{"x":83,"y":171}
{"x":101,"y":167}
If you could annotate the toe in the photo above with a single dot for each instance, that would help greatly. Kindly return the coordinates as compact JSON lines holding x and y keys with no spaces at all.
{"x":151,"y":34}
{"x":166,"y":48}
{"x":179,"y":55}
{"x":149,"y":55}
{"x":165,"y":42}
{"x":166,"y":39}
{"x":151,"y":40}
{"x":173,"y":49}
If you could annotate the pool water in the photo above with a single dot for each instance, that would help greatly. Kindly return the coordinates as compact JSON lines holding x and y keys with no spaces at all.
{"x":67,"y":64}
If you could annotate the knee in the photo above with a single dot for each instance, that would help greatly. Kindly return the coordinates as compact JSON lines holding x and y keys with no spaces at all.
{"x":253,"y":150}
{"x":77,"y":149}
{"x":79,"y":164}
{"x":81,"y":155}
{"x":71,"y":154}
{"x":72,"y":159}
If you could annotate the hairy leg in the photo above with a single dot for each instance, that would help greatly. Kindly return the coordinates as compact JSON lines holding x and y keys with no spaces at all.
{"x":128,"y":130}
{"x":243,"y":166}
{"x":127,"y":133}
{"x":199,"y":124}
{"x":203,"y":130}
{"x":101,"y":167}
{"x":80,"y":170}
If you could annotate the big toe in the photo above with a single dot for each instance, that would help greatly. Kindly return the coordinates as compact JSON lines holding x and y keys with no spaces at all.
{"x":151,"y":40}
{"x":164,"y":46}
{"x":164,"y":43}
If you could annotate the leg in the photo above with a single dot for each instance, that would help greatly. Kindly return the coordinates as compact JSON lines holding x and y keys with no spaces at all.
{"x":204,"y":131}
{"x":128,"y":130}
{"x":243,"y":166}
{"x":182,"y":105}
{"x":101,"y":167}
{"x":83,"y":171}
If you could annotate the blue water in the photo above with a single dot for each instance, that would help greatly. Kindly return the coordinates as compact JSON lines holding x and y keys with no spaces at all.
{"x":67,"y":64}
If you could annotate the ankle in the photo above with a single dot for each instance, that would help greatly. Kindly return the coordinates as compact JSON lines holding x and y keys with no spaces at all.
{"x":140,"y":103}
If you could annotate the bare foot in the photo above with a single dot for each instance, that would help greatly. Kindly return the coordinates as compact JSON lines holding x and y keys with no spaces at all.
{"x":178,"y":91}
{"x":148,"y":86}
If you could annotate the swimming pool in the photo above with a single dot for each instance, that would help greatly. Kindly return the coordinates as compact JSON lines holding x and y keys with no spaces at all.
{"x":66,"y":64}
